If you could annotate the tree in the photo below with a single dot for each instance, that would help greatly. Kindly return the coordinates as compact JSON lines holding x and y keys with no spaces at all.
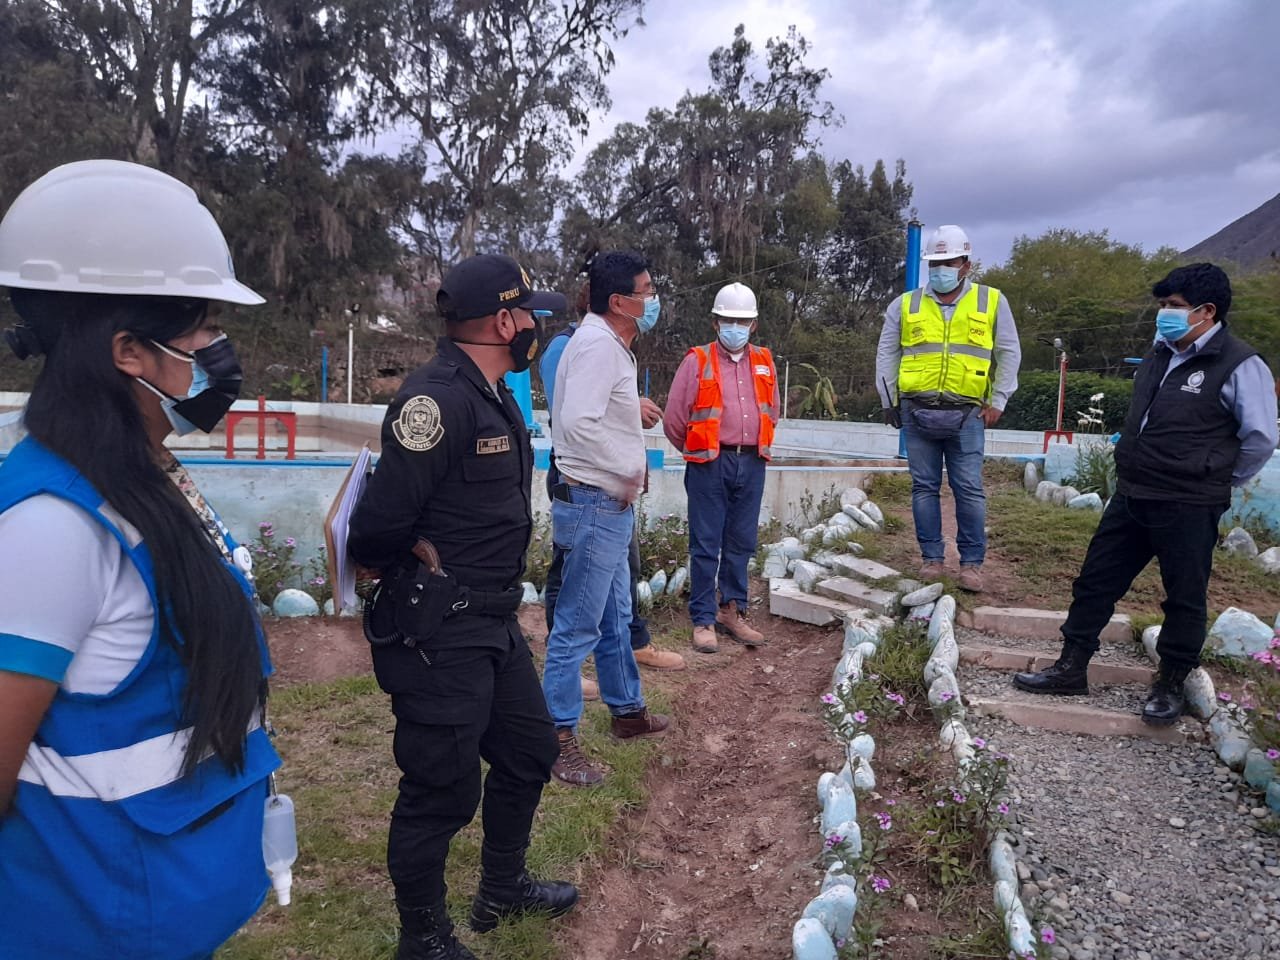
{"x":869,"y":246}
{"x":496,"y":93}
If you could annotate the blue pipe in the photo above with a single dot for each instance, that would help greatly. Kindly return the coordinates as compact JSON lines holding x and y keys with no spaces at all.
{"x":911,"y":282}
{"x":324,"y":374}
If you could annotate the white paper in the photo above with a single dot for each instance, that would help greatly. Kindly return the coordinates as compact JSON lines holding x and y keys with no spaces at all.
{"x":344,"y":587}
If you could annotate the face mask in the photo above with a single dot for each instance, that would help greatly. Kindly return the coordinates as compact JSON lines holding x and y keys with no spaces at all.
{"x":216,"y":378}
{"x":734,"y":336}
{"x":523,"y":347}
{"x":649,"y":318}
{"x":1174,"y":323}
{"x":944,"y":279}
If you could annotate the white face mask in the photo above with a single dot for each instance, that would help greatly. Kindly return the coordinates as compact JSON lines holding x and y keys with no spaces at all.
{"x":734,"y":336}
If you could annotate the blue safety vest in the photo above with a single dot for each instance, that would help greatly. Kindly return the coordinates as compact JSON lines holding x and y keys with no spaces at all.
{"x":108,"y":850}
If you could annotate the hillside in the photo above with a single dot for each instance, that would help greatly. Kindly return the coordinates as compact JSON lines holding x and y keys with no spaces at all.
{"x":1247,"y":242}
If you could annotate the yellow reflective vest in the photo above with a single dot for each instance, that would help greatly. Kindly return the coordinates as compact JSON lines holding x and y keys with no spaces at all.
{"x":948,"y":361}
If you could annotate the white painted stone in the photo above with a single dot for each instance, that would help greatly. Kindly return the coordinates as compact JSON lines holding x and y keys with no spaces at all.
{"x":1086,"y":501}
{"x":850,"y":566}
{"x":1229,"y":739}
{"x":1018,"y":930}
{"x":874,"y":512}
{"x":328,"y":607}
{"x":1201,"y":698}
{"x":1063,"y":495}
{"x":838,"y":807}
{"x":1269,"y":560}
{"x":944,"y":612}
{"x":1150,"y":637}
{"x":1239,"y":542}
{"x":295,"y":603}
{"x":840,"y":520}
{"x":658,"y":582}
{"x":793,"y":549}
{"x":836,"y":877}
{"x":787,"y":600}
{"x":922,"y":614}
{"x":864,"y":778}
{"x":944,"y":695}
{"x":775,"y":565}
{"x":836,"y":536}
{"x":861,"y":519}
{"x":529,"y":593}
{"x":951,"y":730}
{"x":853,"y":497}
{"x":807,"y":574}
{"x":644,"y":593}
{"x":1003,"y":863}
{"x":1005,"y":895}
{"x":834,"y":909}
{"x":791,"y":569}
{"x":864,"y":746}
{"x":848,"y":668}
{"x":810,"y":534}
{"x":824,"y":786}
{"x":855,"y":593}
{"x":846,"y":775}
{"x":918,"y":598}
{"x":1045,"y":489}
{"x":1030,"y":478}
{"x":810,"y":941}
{"x":1238,"y":633}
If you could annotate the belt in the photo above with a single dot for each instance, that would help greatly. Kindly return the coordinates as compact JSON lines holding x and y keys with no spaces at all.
{"x":488,"y":603}
{"x":740,"y":448}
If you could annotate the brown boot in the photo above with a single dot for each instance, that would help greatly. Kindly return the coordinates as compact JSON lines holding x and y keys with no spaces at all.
{"x":571,"y":766}
{"x":590,"y":689}
{"x":704,"y":639}
{"x":932,"y":570}
{"x":730,"y":621}
{"x":970,"y":578}
{"x":651,"y":656}
{"x":639,"y":724}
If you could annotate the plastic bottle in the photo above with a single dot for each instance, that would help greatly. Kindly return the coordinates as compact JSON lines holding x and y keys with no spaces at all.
{"x":280,"y":845}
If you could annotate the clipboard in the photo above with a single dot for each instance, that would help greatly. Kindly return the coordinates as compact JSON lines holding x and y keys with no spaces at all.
{"x":341,"y":568}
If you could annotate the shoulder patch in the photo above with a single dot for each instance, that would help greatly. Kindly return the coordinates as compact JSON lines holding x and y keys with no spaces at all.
{"x":419,"y":427}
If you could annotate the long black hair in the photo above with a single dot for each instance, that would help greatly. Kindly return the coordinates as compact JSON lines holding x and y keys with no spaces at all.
{"x":83,"y":409}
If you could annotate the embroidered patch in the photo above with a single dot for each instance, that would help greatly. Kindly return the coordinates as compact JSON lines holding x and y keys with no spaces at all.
{"x":1193,"y":382}
{"x":762,"y":370}
{"x":419,"y":427}
{"x":493,"y":444}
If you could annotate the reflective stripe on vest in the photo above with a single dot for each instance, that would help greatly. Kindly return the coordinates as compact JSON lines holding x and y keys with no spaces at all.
{"x":702,"y":432}
{"x":948,"y":359}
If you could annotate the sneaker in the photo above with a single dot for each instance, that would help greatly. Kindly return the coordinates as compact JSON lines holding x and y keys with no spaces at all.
{"x":590,"y":689}
{"x":642,"y":723}
{"x":970,"y":578}
{"x":651,"y":656}
{"x":932,"y":570}
{"x":730,"y":621}
{"x":572,"y":767}
{"x":704,"y":639}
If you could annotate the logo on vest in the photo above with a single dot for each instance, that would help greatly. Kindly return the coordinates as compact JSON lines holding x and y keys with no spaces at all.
{"x":1193,"y":382}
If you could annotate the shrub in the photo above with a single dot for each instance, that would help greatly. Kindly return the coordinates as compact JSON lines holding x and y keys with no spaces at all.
{"x":1035,"y":405}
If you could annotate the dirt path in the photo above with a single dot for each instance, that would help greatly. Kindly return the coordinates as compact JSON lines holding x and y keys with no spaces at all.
{"x":724,"y":855}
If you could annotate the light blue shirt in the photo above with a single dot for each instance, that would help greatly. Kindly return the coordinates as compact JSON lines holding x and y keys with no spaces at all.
{"x":1250,"y":395}
{"x":550,"y":361}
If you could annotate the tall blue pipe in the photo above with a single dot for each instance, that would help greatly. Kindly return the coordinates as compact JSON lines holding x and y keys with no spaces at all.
{"x":324,"y":374}
{"x":912,"y":281}
{"x":521,"y":385}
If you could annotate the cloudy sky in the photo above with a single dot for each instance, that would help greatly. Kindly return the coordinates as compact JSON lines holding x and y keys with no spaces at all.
{"x":1158,"y":120}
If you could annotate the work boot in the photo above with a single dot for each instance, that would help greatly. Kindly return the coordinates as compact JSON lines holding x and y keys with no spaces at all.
{"x":730,"y":621}
{"x":931,"y":570}
{"x":970,"y":577}
{"x":426,"y":933}
{"x":642,"y":723}
{"x":704,"y":639}
{"x":590,"y":689}
{"x":1167,"y":699}
{"x":1069,"y":676}
{"x":651,"y":656}
{"x":571,"y":766}
{"x":506,"y":890}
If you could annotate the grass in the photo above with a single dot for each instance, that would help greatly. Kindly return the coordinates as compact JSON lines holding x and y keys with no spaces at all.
{"x":342,"y":777}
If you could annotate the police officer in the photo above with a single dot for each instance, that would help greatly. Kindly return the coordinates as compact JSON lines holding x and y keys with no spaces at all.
{"x":455,"y":471}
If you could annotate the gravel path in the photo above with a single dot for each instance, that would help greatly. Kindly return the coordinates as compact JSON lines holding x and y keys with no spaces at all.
{"x":980,"y":682}
{"x":1126,"y":653}
{"x":1134,"y":849}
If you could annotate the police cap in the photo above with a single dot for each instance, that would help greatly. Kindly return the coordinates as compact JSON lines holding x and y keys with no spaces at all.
{"x":482,"y":285}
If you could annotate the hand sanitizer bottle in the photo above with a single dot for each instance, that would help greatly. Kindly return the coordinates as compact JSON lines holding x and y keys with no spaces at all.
{"x":279,"y":844}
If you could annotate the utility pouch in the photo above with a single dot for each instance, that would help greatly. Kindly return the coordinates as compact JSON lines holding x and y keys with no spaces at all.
{"x":939,"y":423}
{"x":410,"y":607}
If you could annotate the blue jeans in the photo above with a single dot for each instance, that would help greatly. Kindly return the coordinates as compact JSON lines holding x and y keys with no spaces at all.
{"x":593,"y":610}
{"x":724,"y":518}
{"x":963,"y":457}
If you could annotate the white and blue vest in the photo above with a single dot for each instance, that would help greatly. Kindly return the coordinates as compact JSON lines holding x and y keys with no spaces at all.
{"x":108,"y":850}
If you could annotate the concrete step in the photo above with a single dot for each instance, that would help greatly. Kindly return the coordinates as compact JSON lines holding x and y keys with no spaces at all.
{"x":858,"y":594}
{"x":1034,"y":624}
{"x":1074,"y":716}
{"x":786,"y":599}
{"x":848,"y":565}
{"x":1029,"y":661}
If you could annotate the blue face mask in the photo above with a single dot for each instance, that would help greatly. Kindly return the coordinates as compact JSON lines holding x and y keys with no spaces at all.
{"x":944,"y":279}
{"x":1174,"y":323}
{"x":734,"y":336}
{"x":649,"y":319}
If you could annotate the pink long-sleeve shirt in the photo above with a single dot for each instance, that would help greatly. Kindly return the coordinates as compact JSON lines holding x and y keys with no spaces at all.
{"x":740,"y":416}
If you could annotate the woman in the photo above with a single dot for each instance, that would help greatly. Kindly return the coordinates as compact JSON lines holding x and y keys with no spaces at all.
{"x":133,"y":766}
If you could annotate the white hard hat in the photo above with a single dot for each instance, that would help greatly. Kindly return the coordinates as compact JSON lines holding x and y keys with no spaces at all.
{"x":947,"y":243}
{"x":106,"y":226}
{"x":735,"y":301}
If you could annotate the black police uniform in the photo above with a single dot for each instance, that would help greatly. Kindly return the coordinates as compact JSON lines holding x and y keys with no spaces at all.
{"x":456,"y":469}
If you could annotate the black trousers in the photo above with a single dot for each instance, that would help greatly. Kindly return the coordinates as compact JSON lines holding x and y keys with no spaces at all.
{"x":1182,"y":537}
{"x":555,"y":577}
{"x":469,"y":703}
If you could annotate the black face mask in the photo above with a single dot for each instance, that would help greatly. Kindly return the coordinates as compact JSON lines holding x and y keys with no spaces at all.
{"x":216,"y":378}
{"x":523,"y":346}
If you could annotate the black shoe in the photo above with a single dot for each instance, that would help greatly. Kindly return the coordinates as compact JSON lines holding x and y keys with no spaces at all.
{"x":493,"y":901}
{"x":426,"y":933}
{"x":1068,"y":677}
{"x":1167,"y":700}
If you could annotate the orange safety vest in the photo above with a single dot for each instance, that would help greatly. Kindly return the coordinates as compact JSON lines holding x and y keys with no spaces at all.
{"x":702,"y":435}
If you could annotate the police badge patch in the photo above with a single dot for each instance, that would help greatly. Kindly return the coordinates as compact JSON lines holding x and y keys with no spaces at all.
{"x":418,"y":427}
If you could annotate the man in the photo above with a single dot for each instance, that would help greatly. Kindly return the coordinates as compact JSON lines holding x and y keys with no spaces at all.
{"x":455,"y":471}
{"x":949,"y":351}
{"x":646,"y":654}
{"x":721,"y":412}
{"x":600,"y":453}
{"x":1202,"y":420}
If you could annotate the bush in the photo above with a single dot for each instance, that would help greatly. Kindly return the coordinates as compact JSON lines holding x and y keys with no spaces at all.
{"x":1035,"y":405}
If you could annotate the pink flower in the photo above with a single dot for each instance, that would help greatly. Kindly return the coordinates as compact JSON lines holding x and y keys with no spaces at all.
{"x":891,"y":803}
{"x":1226,"y":697}
{"x":880,"y":884}
{"x":1003,"y":808}
{"x":941,"y":803}
{"x":897,"y":698}
{"x":885,"y":821}
{"x":1047,"y":935}
{"x":834,"y":841}
{"x":979,"y":743}
{"x":264,"y":525}
{"x":290,"y":542}
{"x":828,"y":698}
{"x":958,"y":797}
{"x":1273,"y":754}
{"x":860,"y":717}
{"x":946,"y":695}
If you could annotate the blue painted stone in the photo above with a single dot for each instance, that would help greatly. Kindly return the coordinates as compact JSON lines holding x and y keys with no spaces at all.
{"x":834,"y":909}
{"x":1238,"y":633}
{"x":1005,"y":895}
{"x":1086,"y":501}
{"x":836,"y":877}
{"x":1018,"y":928}
{"x":530,"y":593}
{"x":923,"y":614}
{"x":864,"y":746}
{"x":1228,"y":739}
{"x":658,"y":582}
{"x":810,"y":941}
{"x":1201,"y":699}
{"x":1273,"y":796}
{"x":944,"y":611}
{"x":678,"y":580}
{"x":864,"y":778}
{"x":1003,"y":865}
{"x":918,"y":598}
{"x":328,"y":607}
{"x":838,"y":807}
{"x":1258,"y":770}
{"x":295,"y":603}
